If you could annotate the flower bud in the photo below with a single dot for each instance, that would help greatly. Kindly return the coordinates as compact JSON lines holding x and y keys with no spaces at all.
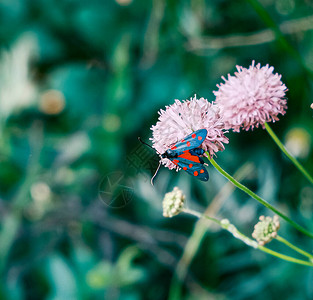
{"x":266,"y":229}
{"x":173,"y":203}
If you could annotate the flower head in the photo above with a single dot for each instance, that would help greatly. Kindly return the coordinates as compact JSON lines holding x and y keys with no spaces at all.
{"x":266,"y":229}
{"x":173,"y":203}
{"x":251,"y":98}
{"x":182,"y":118}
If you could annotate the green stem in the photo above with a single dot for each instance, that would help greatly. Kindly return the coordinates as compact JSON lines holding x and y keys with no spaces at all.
{"x":281,"y":239}
{"x":225,"y":224}
{"x":285,"y":257}
{"x":281,"y":39}
{"x":194,"y":241}
{"x":284,"y":150}
{"x":256,"y":197}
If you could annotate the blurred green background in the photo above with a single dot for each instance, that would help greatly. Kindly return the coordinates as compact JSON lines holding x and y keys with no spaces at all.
{"x":79,"y":82}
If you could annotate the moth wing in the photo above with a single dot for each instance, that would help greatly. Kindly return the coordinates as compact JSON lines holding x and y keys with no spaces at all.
{"x":191,"y":141}
{"x":192,"y":167}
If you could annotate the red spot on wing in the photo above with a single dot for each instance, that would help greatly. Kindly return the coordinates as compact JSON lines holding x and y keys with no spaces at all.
{"x":190,"y":166}
{"x":185,"y":168}
{"x":175,"y":161}
{"x":182,"y":141}
{"x":188,"y":144}
{"x":188,"y":156}
{"x":195,"y":173}
{"x":199,"y":137}
{"x":201,"y":171}
{"x":174,"y":147}
{"x":193,"y":135}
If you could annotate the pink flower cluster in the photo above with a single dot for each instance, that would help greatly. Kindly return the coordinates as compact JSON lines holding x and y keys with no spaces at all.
{"x":246,"y":100}
{"x":183,"y":118}
{"x":251,"y":98}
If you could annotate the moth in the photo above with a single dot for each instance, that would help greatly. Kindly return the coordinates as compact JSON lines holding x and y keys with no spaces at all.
{"x":186,"y":154}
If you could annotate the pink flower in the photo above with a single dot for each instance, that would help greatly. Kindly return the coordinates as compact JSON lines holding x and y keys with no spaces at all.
{"x":182,"y":118}
{"x":252,"y":97}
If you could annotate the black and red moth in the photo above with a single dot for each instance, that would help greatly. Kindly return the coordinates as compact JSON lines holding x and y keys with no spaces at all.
{"x":186,"y":154}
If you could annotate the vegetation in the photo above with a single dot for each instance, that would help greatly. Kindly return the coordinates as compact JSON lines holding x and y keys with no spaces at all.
{"x":79,"y":82}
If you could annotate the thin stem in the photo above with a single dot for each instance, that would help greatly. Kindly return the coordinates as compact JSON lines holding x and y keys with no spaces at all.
{"x":225,"y":224}
{"x":259,"y":199}
{"x":200,"y":228}
{"x":281,"y":39}
{"x":285,"y":257}
{"x":284,"y":150}
{"x":281,"y":239}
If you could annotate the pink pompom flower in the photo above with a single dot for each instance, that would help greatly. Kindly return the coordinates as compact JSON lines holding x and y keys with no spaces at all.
{"x":182,"y":118}
{"x":251,"y":98}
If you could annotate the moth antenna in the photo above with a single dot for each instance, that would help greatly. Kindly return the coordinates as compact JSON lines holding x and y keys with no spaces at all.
{"x":156,"y":172}
{"x":141,"y":141}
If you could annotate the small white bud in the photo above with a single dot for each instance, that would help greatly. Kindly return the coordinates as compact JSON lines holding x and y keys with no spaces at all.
{"x":266,"y":229}
{"x":173,"y":203}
